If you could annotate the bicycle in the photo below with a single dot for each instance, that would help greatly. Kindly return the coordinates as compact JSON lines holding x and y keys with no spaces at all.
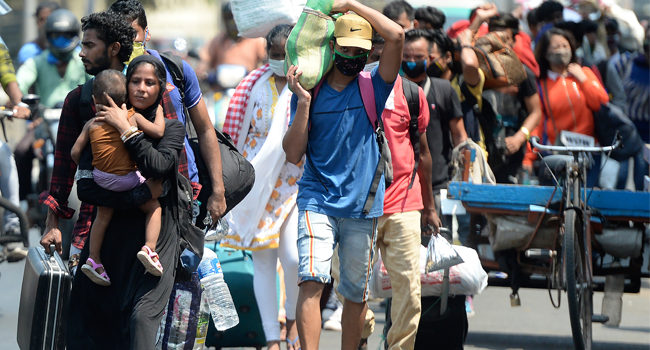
{"x":575,"y":263}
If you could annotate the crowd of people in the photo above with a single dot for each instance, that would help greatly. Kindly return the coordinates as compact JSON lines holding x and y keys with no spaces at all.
{"x":350,"y":168}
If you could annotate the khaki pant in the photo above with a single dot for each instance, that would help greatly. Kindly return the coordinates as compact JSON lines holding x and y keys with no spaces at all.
{"x":398,"y":239}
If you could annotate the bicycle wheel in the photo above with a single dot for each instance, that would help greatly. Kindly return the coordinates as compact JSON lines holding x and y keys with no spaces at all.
{"x":579,"y":292}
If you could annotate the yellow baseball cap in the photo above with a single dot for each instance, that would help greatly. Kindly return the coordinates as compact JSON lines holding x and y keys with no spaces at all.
{"x":353,"y":30}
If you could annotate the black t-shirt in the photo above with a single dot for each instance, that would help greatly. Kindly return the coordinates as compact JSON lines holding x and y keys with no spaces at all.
{"x":514,"y":112}
{"x":512,"y":108}
{"x":444,"y":105}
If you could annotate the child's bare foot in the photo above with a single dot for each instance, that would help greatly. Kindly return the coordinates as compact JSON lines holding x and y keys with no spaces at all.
{"x":149,"y":259}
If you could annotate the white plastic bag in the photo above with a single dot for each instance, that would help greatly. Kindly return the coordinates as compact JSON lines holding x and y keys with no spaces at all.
{"x":467,"y":278}
{"x":255,"y":18}
{"x":441,"y":255}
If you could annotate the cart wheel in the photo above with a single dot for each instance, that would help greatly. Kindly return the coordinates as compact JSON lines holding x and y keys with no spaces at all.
{"x":579,"y":291}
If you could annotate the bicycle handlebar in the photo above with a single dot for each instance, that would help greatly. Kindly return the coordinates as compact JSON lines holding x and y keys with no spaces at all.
{"x":6,"y":114}
{"x":534,"y":143}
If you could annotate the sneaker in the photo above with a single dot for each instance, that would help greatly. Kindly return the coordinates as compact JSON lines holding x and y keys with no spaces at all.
{"x":330,"y":307}
{"x":326,"y":314}
{"x":469,"y":306}
{"x":333,"y":323}
{"x":15,"y":251}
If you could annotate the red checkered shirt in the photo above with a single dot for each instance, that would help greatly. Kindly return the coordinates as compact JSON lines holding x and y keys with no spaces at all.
{"x":70,"y":126}
{"x":239,"y":102}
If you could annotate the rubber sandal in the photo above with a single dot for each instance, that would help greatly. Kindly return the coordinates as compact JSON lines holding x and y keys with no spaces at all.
{"x":154,"y":268}
{"x":293,"y":343}
{"x":91,"y":271}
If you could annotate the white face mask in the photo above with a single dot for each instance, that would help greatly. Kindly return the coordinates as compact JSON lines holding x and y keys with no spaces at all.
{"x":370,"y":66}
{"x":277,"y":67}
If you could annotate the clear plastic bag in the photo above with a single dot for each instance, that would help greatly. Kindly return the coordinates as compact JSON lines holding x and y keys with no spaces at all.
{"x":441,"y":254}
{"x":215,"y":232}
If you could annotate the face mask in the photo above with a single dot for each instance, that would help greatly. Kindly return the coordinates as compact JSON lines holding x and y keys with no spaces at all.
{"x":435,"y":70}
{"x":350,"y":65}
{"x":61,"y":42}
{"x":559,"y":58}
{"x":277,"y":67}
{"x":414,"y":69}
{"x":138,"y":47}
{"x":370,"y":66}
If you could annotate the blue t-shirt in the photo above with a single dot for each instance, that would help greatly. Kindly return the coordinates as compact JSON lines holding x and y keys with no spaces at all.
{"x":28,"y":51}
{"x":342,"y":151}
{"x":192,"y":97}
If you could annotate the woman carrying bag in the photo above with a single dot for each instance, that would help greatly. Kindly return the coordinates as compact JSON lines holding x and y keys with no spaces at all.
{"x":266,"y":221}
{"x":570,"y":94}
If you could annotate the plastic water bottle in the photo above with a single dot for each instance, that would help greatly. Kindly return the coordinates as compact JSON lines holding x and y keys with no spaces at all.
{"x":202,"y":325}
{"x":215,"y":291}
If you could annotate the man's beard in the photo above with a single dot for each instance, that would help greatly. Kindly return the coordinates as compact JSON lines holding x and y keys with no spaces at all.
{"x":102,"y":63}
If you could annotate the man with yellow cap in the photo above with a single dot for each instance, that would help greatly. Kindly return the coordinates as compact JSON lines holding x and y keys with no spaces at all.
{"x":332,"y":127}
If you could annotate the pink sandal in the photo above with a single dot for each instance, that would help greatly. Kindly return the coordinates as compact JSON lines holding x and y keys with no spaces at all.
{"x":154,"y":268}
{"x":91,"y":271}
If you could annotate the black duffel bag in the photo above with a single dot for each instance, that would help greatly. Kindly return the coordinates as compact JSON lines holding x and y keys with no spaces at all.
{"x":238,"y":173}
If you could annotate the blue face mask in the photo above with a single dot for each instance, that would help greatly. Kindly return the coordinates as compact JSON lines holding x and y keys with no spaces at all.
{"x":61,"y":42}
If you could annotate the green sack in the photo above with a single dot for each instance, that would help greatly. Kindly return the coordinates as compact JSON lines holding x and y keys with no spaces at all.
{"x":308,"y":45}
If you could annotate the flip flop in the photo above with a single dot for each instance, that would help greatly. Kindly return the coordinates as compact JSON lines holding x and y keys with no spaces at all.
{"x":91,"y":271}
{"x":154,"y":268}
{"x":293,"y":343}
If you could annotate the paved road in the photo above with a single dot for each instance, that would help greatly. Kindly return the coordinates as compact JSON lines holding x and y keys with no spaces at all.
{"x":536,"y":325}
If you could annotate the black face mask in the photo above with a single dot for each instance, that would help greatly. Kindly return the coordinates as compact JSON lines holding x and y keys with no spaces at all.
{"x":414,"y":69}
{"x":350,"y":65}
{"x":435,"y":70}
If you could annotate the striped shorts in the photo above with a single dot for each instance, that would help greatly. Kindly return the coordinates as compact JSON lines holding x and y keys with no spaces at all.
{"x":319,"y":235}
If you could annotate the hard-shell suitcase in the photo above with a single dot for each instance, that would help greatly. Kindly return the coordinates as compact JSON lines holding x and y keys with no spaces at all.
{"x":43,"y":301}
{"x":237,"y":266}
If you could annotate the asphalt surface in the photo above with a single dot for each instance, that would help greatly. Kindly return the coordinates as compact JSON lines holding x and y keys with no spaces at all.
{"x":536,"y":325}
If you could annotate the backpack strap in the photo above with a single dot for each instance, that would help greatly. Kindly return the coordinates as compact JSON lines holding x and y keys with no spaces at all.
{"x":174,"y":66}
{"x":368,"y":97}
{"x":86,"y":101}
{"x":412,"y":95}
{"x":384,"y":167}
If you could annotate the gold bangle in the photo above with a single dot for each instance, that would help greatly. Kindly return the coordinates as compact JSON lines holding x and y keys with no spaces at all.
{"x":128,"y":133}
{"x":526,"y":132}
{"x":137,"y":132}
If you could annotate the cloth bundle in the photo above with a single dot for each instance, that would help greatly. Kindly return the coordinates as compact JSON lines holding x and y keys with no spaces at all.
{"x":308,"y":45}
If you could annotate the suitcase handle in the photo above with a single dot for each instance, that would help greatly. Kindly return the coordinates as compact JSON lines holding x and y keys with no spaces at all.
{"x":52,"y":250}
